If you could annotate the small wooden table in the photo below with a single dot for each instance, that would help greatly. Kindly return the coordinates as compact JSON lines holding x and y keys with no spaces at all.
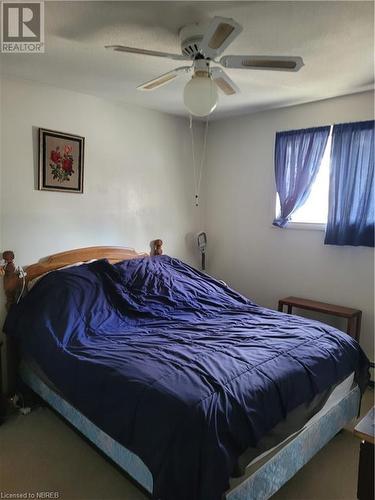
{"x":365,"y":431}
{"x":353,"y":316}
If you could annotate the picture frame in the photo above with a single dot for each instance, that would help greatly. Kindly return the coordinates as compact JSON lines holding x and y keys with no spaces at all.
{"x":61,"y":161}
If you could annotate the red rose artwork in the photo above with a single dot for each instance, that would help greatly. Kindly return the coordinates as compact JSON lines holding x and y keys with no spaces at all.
{"x":61,"y":158}
{"x":62,"y":164}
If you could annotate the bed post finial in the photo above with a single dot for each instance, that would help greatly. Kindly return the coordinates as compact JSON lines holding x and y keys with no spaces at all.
{"x":156,"y":247}
{"x":8,"y":267}
{"x":11,"y":279}
{"x":8,"y":256}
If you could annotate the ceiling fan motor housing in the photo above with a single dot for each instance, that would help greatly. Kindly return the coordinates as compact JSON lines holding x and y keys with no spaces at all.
{"x":190,"y":38}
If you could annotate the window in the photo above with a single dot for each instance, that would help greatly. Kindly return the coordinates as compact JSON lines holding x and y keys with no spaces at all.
{"x":315,"y":209}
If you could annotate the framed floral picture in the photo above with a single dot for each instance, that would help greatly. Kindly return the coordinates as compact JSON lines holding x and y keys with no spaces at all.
{"x":60,"y":161}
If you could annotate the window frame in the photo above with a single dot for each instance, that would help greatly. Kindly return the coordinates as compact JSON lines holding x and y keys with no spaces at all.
{"x":314,"y":226}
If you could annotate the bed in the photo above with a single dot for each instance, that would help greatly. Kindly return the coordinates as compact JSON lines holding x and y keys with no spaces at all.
{"x":191,"y":388}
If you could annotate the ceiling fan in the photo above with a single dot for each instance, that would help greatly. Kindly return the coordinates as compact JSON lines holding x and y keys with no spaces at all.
{"x":203,"y":47}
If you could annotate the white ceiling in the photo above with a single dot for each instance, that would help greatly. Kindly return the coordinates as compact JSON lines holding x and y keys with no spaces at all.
{"x":335,"y":39}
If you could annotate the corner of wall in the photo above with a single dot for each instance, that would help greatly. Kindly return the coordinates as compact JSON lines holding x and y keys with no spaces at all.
{"x":2,"y":299}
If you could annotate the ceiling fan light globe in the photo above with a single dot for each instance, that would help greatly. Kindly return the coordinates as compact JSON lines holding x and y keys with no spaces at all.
{"x":200,"y":96}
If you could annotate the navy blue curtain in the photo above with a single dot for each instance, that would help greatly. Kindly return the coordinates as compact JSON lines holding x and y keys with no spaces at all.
{"x":351,"y":190}
{"x":298,"y":154}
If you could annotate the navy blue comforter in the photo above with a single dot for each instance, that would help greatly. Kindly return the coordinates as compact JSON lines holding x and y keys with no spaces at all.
{"x":179,"y":368}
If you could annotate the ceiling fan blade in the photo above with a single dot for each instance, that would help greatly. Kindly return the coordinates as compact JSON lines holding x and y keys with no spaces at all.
{"x":223,"y":81}
{"x":220,"y":33}
{"x":272,"y":63}
{"x":163,"y":79}
{"x":133,"y":50}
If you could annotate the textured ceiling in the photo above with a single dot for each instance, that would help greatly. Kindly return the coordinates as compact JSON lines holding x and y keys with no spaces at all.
{"x":335,"y":39}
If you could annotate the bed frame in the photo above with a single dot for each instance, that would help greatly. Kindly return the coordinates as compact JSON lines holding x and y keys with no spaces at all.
{"x":13,"y":280}
{"x":260,"y":484}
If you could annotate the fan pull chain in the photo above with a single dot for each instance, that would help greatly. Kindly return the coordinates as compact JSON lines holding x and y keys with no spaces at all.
{"x":198,"y":174}
{"x":194,"y":162}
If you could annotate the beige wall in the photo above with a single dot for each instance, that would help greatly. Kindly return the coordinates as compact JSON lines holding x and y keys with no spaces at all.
{"x":263,"y":262}
{"x":138,"y":175}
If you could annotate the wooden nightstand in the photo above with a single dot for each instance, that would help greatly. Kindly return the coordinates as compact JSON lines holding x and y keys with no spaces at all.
{"x":365,"y":431}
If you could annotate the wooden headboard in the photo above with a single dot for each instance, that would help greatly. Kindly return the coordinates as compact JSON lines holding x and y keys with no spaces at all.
{"x":13,"y":282}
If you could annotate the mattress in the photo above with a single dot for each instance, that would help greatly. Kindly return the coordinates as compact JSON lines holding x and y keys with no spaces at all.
{"x":271,"y":444}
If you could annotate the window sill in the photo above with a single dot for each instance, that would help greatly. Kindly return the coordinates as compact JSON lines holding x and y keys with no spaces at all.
{"x":312,"y":226}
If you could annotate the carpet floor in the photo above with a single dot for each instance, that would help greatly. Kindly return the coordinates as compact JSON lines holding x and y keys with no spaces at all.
{"x":41,"y":453}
